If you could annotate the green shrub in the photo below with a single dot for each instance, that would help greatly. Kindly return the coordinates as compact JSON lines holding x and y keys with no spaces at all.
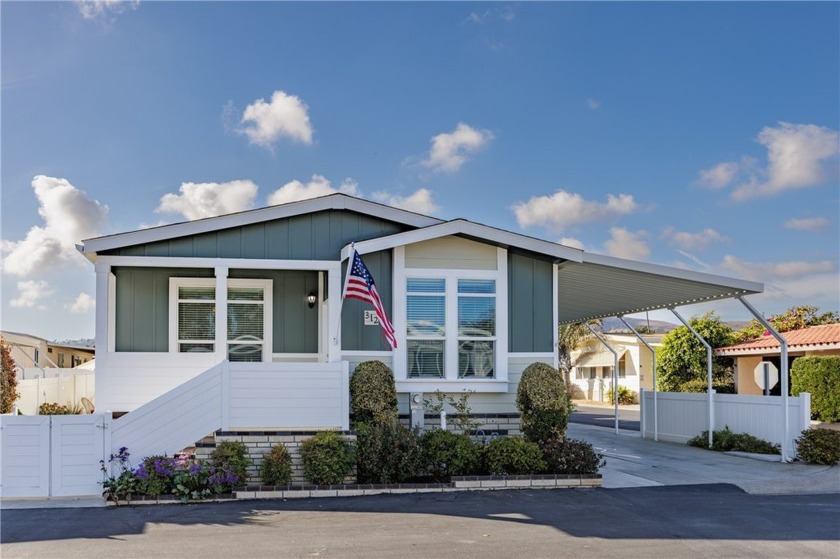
{"x":387,"y":453}
{"x":725,"y":440}
{"x":155,"y":474}
{"x":571,"y":456}
{"x":327,"y":458}
{"x":51,"y":408}
{"x":232,"y":455}
{"x":448,"y":454}
{"x":701,"y":385}
{"x":625,"y":396}
{"x":543,"y":402}
{"x":373,"y":394}
{"x":819,"y":446}
{"x":276,"y":466}
{"x":513,"y":456}
{"x":821,"y":377}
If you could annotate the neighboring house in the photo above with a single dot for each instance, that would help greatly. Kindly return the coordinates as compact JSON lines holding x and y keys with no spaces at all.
{"x":814,"y":340}
{"x":258,"y":294}
{"x":592,"y":377}
{"x":34,"y":355}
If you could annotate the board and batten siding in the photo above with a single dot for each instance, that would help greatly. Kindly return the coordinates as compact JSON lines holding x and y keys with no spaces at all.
{"x":315,"y":236}
{"x":530,"y":301}
{"x":355,"y":335}
{"x":142,"y":307}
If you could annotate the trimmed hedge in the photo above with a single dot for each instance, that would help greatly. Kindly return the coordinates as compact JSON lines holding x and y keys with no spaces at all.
{"x":327,"y":458}
{"x":387,"y":453}
{"x":373,"y":393}
{"x":513,"y":456}
{"x":819,"y":446}
{"x":276,"y":466}
{"x":232,"y":455}
{"x":726,"y":440}
{"x":819,"y":375}
{"x":571,"y":456}
{"x":543,"y":402}
{"x":447,"y":454}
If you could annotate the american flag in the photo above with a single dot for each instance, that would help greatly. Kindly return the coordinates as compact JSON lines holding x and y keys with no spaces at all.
{"x":360,"y":285}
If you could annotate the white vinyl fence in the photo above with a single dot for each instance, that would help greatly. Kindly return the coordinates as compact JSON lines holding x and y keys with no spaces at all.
{"x":56,"y":455}
{"x":683,"y":415}
{"x":65,"y":389}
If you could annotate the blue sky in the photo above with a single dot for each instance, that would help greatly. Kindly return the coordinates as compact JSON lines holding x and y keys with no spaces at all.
{"x":700,"y":135}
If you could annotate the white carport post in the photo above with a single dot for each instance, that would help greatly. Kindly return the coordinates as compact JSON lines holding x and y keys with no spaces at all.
{"x":784,"y":373}
{"x":653,"y":352}
{"x":709,"y":390}
{"x":615,"y":371}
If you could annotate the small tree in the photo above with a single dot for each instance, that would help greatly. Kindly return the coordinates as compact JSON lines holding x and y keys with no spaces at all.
{"x":682,"y":358}
{"x":373,"y":394}
{"x":8,"y":379}
{"x":543,"y":402}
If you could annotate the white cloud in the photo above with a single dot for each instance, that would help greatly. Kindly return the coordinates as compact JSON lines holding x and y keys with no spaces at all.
{"x":208,"y":199}
{"x":104,"y":9}
{"x":69,"y":217}
{"x":719,"y":176}
{"x":30,"y":292}
{"x":807,"y":223}
{"x":776,"y":270}
{"x":592,"y":104}
{"x":505,"y":13}
{"x":83,"y":304}
{"x":627,"y":244}
{"x":797,"y":156}
{"x":693,"y":258}
{"x":449,"y":150}
{"x":563,"y":209}
{"x":571,"y":242}
{"x":285,"y":115}
{"x":420,"y":202}
{"x":319,"y":186}
{"x":692,"y":241}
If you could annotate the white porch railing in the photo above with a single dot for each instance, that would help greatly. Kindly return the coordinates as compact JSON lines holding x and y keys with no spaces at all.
{"x":231,"y":396}
{"x":683,"y":415}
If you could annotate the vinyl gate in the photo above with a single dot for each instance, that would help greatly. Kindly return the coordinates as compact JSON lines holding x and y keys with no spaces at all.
{"x":52,"y":456}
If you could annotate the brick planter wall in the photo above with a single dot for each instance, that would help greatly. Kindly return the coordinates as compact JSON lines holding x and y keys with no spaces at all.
{"x":259,"y":443}
{"x":493,"y":424}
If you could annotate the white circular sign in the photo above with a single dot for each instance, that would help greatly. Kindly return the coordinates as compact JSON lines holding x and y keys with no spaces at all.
{"x":772,"y":375}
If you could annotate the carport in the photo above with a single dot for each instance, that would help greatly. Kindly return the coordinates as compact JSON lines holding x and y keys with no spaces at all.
{"x":598,"y":286}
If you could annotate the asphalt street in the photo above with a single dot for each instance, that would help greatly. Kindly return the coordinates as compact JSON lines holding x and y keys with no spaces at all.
{"x":669,"y":521}
{"x":605,"y":417}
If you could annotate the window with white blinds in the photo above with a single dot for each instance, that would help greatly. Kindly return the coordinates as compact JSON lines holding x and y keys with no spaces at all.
{"x":196,"y":319}
{"x":476,"y":328}
{"x":426,"y":331}
{"x":193,"y":319}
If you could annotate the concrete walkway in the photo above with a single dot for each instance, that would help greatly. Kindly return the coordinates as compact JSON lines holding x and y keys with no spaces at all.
{"x":636,"y":462}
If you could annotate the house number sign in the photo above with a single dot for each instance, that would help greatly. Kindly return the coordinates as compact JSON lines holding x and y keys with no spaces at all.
{"x":371,"y":319}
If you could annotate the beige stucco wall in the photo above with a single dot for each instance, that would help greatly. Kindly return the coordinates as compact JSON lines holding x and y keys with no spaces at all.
{"x":745,"y":368}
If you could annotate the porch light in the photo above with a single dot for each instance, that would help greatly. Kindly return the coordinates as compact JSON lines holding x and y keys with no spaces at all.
{"x":311,"y":298}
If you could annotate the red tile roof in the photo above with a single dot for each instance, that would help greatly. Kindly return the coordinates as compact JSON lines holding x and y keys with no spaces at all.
{"x":826,"y":336}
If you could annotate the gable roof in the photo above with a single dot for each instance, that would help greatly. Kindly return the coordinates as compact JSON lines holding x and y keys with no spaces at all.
{"x":823,"y":337}
{"x":336,"y":201}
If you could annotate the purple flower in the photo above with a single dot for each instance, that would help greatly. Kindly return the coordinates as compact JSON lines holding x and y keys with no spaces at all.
{"x":195,"y":468}
{"x":141,"y":472}
{"x":164,"y":467}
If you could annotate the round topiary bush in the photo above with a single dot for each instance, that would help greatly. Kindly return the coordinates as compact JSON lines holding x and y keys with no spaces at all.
{"x":447,"y":454}
{"x":571,"y":456}
{"x":276,"y":466}
{"x":513,"y":456}
{"x":819,"y":446}
{"x":373,"y":394}
{"x":327,"y":458}
{"x":543,"y":402}
{"x":387,"y":453}
{"x":232,"y":455}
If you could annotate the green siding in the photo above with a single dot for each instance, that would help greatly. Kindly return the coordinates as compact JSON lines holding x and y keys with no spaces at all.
{"x":530,"y":300}
{"x":316,"y":236}
{"x":142,"y":313}
{"x":354,"y":334}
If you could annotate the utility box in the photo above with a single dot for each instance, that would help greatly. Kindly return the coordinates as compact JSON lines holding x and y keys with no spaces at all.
{"x":417,"y":411}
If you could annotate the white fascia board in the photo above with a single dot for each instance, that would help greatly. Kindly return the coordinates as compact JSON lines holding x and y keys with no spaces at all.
{"x":245,"y":263}
{"x":472,"y":229}
{"x":331,"y":202}
{"x":669,"y":271}
{"x":735,"y":352}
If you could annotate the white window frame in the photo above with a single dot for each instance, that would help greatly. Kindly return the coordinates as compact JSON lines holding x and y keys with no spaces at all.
{"x":451,"y":382}
{"x":268,"y":307}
